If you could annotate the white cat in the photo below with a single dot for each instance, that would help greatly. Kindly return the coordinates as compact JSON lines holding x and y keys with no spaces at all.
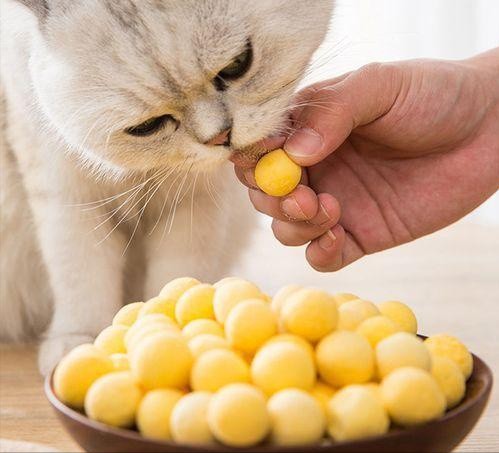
{"x":118,"y":118}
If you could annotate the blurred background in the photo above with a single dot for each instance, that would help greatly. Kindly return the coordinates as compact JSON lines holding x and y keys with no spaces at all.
{"x":450,"y":278}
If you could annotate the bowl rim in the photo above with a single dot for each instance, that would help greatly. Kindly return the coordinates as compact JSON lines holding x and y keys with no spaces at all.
{"x":127,"y":434}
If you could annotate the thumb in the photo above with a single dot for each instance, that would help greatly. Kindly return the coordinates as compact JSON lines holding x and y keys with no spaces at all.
{"x":332,"y":109}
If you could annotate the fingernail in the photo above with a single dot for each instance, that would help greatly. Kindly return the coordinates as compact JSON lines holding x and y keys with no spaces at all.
{"x":249,"y":176}
{"x":325,"y":214}
{"x":292,"y":209}
{"x":303,"y":143}
{"x":327,"y":240}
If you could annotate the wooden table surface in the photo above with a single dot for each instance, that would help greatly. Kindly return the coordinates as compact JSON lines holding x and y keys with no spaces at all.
{"x":451,"y":279}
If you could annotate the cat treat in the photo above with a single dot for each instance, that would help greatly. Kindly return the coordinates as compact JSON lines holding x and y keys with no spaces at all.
{"x":204,"y":364}
{"x":276,"y":174}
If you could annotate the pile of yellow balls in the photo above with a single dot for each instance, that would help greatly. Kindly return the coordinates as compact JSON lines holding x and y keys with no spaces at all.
{"x":202,"y":364}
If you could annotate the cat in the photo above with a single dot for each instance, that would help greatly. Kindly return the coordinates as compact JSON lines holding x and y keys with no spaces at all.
{"x":118,"y":120}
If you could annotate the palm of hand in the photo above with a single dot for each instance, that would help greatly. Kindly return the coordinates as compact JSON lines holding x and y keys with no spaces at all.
{"x":398,"y":180}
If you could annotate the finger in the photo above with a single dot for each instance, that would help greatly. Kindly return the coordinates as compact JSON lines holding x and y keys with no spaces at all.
{"x":267,"y":205}
{"x":334,"y":250}
{"x":334,"y":110}
{"x":301,"y":204}
{"x":294,"y":234}
{"x":247,"y":178}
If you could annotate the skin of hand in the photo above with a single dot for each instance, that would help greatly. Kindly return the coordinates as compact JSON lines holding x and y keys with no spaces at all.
{"x":391,"y":152}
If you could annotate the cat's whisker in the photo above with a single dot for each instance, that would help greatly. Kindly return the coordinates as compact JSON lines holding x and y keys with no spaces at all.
{"x":192,"y":202}
{"x":173,"y":208}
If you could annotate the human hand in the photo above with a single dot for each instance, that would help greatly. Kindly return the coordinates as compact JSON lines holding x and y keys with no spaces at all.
{"x":391,"y":152}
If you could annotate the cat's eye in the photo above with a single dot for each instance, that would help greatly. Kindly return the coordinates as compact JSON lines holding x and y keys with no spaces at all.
{"x":149,"y":126}
{"x":236,"y":68}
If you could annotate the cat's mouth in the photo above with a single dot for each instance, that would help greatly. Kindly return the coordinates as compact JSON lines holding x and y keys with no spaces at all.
{"x":248,"y":156}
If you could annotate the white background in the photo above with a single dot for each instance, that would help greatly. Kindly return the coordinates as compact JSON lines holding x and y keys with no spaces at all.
{"x":363,"y":31}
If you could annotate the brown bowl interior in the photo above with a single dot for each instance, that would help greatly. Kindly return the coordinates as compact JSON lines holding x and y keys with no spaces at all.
{"x":441,"y":435}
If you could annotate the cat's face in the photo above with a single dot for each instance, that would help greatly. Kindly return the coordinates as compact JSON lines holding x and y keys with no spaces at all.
{"x":138,"y":85}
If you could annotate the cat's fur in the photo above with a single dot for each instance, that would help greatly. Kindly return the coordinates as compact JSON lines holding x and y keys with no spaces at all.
{"x":74,"y":75}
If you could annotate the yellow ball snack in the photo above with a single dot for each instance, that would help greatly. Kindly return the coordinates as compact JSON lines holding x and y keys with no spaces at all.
{"x":154,"y":413}
{"x":450,"y":379}
{"x":377,"y":328}
{"x":322,"y":393}
{"x":225,"y":280}
{"x":113,"y":399}
{"x":202,"y":327}
{"x":276,"y":174}
{"x":238,"y":417}
{"x":356,"y":412}
{"x":112,"y":339}
{"x":159,"y":305}
{"x":341,"y":298}
{"x":281,"y":365}
{"x":217,"y":368}
{"x":249,"y":325}
{"x":289,"y":337}
{"x":443,"y":345}
{"x":232,"y":293}
{"x":281,"y":297}
{"x":400,"y":314}
{"x":127,"y":315}
{"x":189,"y":420}
{"x":345,"y":358}
{"x":175,"y":288}
{"x":401,"y":350}
{"x":296,"y":418}
{"x":162,"y":360}
{"x":195,"y":303}
{"x":309,"y":313}
{"x":412,"y":396}
{"x":206,"y":342}
{"x":353,"y":312}
{"x":77,"y":371}
{"x":120,"y":362}
{"x":146,"y":326}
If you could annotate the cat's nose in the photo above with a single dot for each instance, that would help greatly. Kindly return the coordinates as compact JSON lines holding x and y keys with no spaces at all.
{"x":221,"y":139}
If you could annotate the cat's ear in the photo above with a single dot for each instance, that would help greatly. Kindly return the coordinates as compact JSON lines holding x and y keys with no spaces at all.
{"x":39,"y":7}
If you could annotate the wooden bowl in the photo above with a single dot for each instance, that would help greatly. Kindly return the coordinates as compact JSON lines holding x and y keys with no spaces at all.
{"x":442,"y":435}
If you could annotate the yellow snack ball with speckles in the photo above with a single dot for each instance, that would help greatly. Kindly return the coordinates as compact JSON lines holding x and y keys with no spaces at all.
{"x":412,"y":396}
{"x":217,"y":368}
{"x":195,"y":303}
{"x":77,"y":371}
{"x":120,"y":362}
{"x":127,"y":315}
{"x":158,"y":305}
{"x":189,"y":420}
{"x":356,"y":412}
{"x":249,"y":325}
{"x":206,"y":342}
{"x":400,"y":314}
{"x":154,"y":413}
{"x":147,"y":326}
{"x":175,"y":288}
{"x":322,"y":392}
{"x":450,"y":379}
{"x":281,"y":296}
{"x":377,"y":328}
{"x":202,"y":327}
{"x":344,"y":358}
{"x":353,"y":312}
{"x":299,"y":341}
{"x":112,"y":339}
{"x":238,"y":416}
{"x":225,"y":280}
{"x":296,"y":418}
{"x":281,"y":365}
{"x":162,"y":360}
{"x":444,"y":345}
{"x":276,"y":174}
{"x":342,"y":298}
{"x":309,"y":313}
{"x":113,"y":399}
{"x":232,"y":293}
{"x":401,"y":350}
